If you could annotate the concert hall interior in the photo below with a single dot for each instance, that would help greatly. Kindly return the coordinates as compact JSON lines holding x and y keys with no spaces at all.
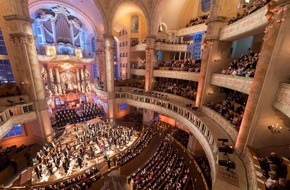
{"x":147,"y":94}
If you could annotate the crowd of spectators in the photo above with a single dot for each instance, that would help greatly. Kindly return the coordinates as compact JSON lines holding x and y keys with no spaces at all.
{"x":166,"y":169}
{"x":205,"y":168}
{"x":9,"y":89}
{"x":70,"y":116}
{"x":190,"y":65}
{"x":180,"y":135}
{"x":248,"y":9}
{"x":136,"y":148}
{"x":130,"y":82}
{"x":232,"y":108}
{"x":274,"y":172}
{"x":244,"y":66}
{"x":181,"y":88}
{"x":81,"y":182}
{"x":197,"y":20}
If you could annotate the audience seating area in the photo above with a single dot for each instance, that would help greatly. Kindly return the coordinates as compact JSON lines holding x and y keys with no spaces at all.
{"x":205,"y":168}
{"x":70,"y":116}
{"x":197,"y":20}
{"x":166,"y":169}
{"x":180,"y":135}
{"x":9,"y":89}
{"x":80,"y":182}
{"x":136,"y":148}
{"x":248,"y":9}
{"x":178,"y":87}
{"x":232,"y":108}
{"x":244,"y":66}
{"x":190,"y":65}
{"x":130,"y":82}
{"x":275,"y":172}
{"x":7,"y":154}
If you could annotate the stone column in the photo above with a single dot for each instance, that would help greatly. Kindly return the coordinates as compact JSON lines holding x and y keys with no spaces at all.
{"x":14,"y":15}
{"x":150,"y":58}
{"x":272,"y":68}
{"x":109,"y":57}
{"x":100,"y":57}
{"x":215,"y":55}
{"x":58,"y":81}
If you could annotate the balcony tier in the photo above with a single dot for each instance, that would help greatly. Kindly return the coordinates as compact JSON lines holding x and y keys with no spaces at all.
{"x":252,"y":24}
{"x":241,"y":84}
{"x":192,"y":29}
{"x":282,"y":101}
{"x":184,"y":75}
{"x":222,"y":122}
{"x":21,"y":114}
{"x":161,"y":46}
{"x":139,"y":72}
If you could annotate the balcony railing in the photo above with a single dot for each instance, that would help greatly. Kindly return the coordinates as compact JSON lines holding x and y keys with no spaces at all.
{"x":171,"y":47}
{"x":282,"y":101}
{"x":184,"y":75}
{"x":251,"y":24}
{"x":192,"y":29}
{"x":222,"y":122}
{"x":139,"y":72}
{"x":237,"y":83}
{"x":16,"y":114}
{"x":181,"y":113}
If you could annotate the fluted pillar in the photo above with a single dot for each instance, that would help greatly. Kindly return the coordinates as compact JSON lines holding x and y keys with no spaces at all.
{"x":58,"y":81}
{"x":109,"y":57}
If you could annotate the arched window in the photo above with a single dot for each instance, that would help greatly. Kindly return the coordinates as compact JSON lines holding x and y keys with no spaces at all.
{"x":135,"y":24}
{"x":15,"y":131}
{"x":205,"y":5}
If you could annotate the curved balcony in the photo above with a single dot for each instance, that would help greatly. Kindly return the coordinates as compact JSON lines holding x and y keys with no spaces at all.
{"x":229,"y":128}
{"x":171,"y":47}
{"x":191,"y":30}
{"x":196,"y":122}
{"x":237,"y":83}
{"x":184,"y":75}
{"x":139,"y":72}
{"x":16,"y":115}
{"x":138,"y":47}
{"x":282,"y":102}
{"x":249,"y":25}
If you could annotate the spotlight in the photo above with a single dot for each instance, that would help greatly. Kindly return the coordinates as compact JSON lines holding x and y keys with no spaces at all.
{"x":226,"y":149}
{"x":227,"y":163}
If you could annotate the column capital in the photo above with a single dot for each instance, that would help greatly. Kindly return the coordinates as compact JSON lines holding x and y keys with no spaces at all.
{"x":17,"y":17}
{"x":21,"y":37}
